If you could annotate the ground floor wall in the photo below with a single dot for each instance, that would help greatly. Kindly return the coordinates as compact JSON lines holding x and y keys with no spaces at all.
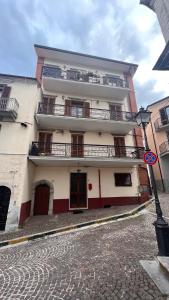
{"x":165,"y":171}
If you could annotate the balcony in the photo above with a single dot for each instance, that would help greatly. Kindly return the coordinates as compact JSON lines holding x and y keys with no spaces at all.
{"x":83,"y":118}
{"x":77,"y":82}
{"x":67,"y":154}
{"x":8,"y":109}
{"x":161,"y":125}
{"x":164,"y":148}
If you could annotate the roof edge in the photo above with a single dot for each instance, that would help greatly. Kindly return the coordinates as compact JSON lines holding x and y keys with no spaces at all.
{"x":18,"y":76}
{"x":156,"y":102}
{"x":85,"y":55}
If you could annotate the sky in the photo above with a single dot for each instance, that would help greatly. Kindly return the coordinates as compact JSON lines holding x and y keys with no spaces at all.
{"x":117,"y":29}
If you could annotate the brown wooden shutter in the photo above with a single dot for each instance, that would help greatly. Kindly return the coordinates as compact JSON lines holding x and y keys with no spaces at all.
{"x":6,"y":92}
{"x":67,"y":107}
{"x":119,"y":144}
{"x":45,"y":139}
{"x":87,"y":109}
{"x":163,"y":116}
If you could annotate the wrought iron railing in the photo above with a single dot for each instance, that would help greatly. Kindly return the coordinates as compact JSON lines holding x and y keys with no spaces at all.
{"x":9,"y":104}
{"x":68,"y":150}
{"x":159,"y":123}
{"x":164,"y":147}
{"x":84,"y":112}
{"x":83,"y":76}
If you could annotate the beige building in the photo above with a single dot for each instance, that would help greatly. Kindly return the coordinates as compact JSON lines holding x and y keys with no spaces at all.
{"x":158,"y":138}
{"x":69,"y":139}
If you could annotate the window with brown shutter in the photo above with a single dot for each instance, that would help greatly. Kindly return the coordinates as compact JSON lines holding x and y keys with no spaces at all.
{"x":67,"y":107}
{"x":77,"y":145}
{"x":87,"y":109}
{"x":116,"y":112}
{"x":45,"y":139}
{"x":119,"y":145}
{"x":6,"y":92}
{"x":48,"y":105}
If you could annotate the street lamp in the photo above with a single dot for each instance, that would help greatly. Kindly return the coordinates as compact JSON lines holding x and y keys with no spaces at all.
{"x":161,"y":226}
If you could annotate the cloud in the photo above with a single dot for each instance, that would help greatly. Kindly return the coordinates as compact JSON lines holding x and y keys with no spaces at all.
{"x":122,"y":30}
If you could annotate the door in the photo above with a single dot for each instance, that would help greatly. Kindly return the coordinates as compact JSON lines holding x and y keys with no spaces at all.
{"x":41,"y":203}
{"x":48,"y":105}
{"x":119,"y":146}
{"x":116,"y":112}
{"x":45,"y":142}
{"x":77,"y":145}
{"x":78,"y":190}
{"x":5,"y":194}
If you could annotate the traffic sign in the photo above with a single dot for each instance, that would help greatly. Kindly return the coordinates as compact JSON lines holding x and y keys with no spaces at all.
{"x":150,"y":158}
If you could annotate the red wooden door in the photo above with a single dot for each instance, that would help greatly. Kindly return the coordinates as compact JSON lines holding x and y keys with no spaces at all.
{"x":48,"y":105}
{"x":77,"y":145}
{"x":78,"y":190}
{"x":45,"y":139}
{"x":115,"y":112}
{"x":119,"y":144}
{"x":41,"y":204}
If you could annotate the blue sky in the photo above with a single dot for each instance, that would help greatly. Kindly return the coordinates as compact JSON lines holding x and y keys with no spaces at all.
{"x":122,"y":30}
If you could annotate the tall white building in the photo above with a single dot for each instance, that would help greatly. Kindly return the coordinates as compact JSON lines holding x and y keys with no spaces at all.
{"x":69,"y":138}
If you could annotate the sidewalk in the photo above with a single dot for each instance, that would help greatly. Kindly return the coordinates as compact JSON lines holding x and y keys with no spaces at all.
{"x":164,"y":201}
{"x":38,"y":224}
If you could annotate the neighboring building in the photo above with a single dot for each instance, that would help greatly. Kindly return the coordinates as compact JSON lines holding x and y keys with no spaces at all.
{"x":18,"y":102}
{"x":161,"y":8}
{"x":158,"y":138}
{"x":84,"y":149}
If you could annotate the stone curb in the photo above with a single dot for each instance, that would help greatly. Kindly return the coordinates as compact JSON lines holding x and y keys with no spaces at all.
{"x":76,"y":226}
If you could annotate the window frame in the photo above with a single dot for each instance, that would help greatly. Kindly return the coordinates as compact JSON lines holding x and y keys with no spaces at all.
{"x":119,"y":184}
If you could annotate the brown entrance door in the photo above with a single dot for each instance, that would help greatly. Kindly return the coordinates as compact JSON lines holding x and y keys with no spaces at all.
{"x":77,"y":145}
{"x":45,"y":139}
{"x":78,"y":190}
{"x":41,"y":204}
{"x":119,"y":145}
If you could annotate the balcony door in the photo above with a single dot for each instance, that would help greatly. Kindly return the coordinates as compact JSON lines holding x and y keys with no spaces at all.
{"x":115,"y":112}
{"x":77,"y":145}
{"x":78,"y":109}
{"x":78,"y":190}
{"x":48,"y":106}
{"x":45,"y":140}
{"x":4,"y":96}
{"x":119,"y":146}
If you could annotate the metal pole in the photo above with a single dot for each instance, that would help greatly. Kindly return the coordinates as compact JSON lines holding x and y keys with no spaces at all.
{"x":161,"y":226}
{"x":160,"y":220}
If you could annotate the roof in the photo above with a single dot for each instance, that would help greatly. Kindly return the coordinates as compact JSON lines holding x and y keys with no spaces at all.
{"x":56,"y":53}
{"x":156,"y":102}
{"x":162,"y":63}
{"x":18,"y":76}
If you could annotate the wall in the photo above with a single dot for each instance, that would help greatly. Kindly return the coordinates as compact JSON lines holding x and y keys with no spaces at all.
{"x":162,"y":10}
{"x":157,"y":139}
{"x":60,"y":177}
{"x":15,"y":143}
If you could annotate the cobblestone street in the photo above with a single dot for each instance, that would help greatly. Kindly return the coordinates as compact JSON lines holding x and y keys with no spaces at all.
{"x":96,"y":263}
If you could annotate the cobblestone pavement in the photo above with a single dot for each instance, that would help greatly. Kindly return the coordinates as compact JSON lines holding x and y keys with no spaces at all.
{"x":37,"y":224}
{"x":93,"y":264}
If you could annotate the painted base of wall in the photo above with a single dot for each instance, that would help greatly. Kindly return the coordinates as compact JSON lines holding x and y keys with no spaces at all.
{"x":24,"y":212}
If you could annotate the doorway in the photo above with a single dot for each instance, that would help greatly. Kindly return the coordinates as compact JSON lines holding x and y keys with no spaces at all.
{"x":77,"y":145}
{"x":119,"y":145}
{"x":5,"y":194}
{"x":41,"y":203}
{"x":78,"y":190}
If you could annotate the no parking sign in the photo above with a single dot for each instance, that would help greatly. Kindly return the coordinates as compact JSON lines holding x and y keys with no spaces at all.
{"x":150,"y":158}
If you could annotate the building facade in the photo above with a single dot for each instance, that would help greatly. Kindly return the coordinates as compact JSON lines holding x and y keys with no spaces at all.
{"x":73,"y":139}
{"x":161,"y":8}
{"x":158,"y":137}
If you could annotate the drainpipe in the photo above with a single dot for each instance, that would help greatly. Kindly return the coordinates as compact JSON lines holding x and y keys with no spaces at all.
{"x":100,"y":193}
{"x":157,"y":155}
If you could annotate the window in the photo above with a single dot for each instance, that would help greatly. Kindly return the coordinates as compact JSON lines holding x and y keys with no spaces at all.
{"x":123,"y":179}
{"x":164,"y":113}
{"x":1,"y":89}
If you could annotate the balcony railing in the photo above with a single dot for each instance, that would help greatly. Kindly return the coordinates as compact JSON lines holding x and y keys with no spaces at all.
{"x":85,"y":112}
{"x":8,"y":108}
{"x":158,"y":124}
{"x":83,"y":76}
{"x":68,"y":150}
{"x":164,"y":147}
